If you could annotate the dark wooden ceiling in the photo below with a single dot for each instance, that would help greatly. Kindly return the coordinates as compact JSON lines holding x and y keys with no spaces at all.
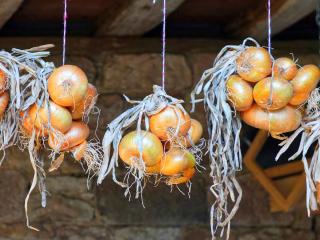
{"x":194,"y":18}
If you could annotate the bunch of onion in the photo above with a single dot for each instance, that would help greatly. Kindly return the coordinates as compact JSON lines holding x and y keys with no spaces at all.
{"x":162,"y":144}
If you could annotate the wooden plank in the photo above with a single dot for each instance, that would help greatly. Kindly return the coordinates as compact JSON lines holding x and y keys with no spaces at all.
{"x":284,"y":169}
{"x":284,"y":14}
{"x":134,"y":18}
{"x":7,"y":9}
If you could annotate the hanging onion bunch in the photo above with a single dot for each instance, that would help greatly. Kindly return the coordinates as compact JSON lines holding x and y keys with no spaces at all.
{"x":163,"y":143}
{"x":246,"y":83}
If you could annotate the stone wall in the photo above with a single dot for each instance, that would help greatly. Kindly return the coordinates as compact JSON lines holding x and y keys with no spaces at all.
{"x":132,"y":66}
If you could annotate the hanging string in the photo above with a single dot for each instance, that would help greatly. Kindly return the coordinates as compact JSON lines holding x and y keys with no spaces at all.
{"x":64,"y":44}
{"x":269,"y":26}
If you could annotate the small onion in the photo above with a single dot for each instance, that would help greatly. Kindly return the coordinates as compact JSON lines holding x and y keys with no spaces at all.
{"x":239,"y":93}
{"x":79,"y":150}
{"x":28,"y":125}
{"x":285,"y":68}
{"x":282,"y":92}
{"x":254,"y":64}
{"x":80,"y":108}
{"x":176,"y":161}
{"x":304,"y":82}
{"x":3,"y":82}
{"x":194,"y":134}
{"x":169,"y":119}
{"x":4,"y":102}
{"x":284,"y":120}
{"x":152,"y":149}
{"x":60,"y":117}
{"x":67,"y":85}
{"x":76,"y":135}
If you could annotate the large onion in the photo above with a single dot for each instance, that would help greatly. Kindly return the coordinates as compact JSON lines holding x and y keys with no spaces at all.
{"x":304,"y":82}
{"x":152,"y":149}
{"x":60,"y":117}
{"x":67,"y":85}
{"x":3,"y":81}
{"x":284,"y":120}
{"x":176,"y":161}
{"x":4,"y":101}
{"x":79,"y":109}
{"x":239,"y":93}
{"x":76,"y":135}
{"x":186,"y":176}
{"x":168,"y":121}
{"x":254,"y":64}
{"x":285,"y":68}
{"x":282,"y":92}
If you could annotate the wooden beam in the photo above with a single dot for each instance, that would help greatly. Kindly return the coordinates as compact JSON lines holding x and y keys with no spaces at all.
{"x":284,"y":14}
{"x":134,"y":17}
{"x":7,"y":9}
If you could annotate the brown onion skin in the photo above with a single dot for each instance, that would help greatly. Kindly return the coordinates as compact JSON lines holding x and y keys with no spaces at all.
{"x":254,"y":64}
{"x":304,"y":82}
{"x":282,"y":92}
{"x":76,"y":135}
{"x":152,"y":149}
{"x":67,"y":85}
{"x":60,"y":117}
{"x":239,"y":93}
{"x":285,"y":68}
{"x":299,"y":98}
{"x":78,"y":151}
{"x":80,"y":108}
{"x":284,"y":120}
{"x":195,"y":133}
{"x":4,"y":102}
{"x":176,"y":161}
{"x":28,"y":125}
{"x":160,"y":123}
{"x":3,"y":82}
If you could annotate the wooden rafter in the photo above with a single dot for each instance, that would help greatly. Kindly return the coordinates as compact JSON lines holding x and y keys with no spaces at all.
{"x":134,"y":18}
{"x":7,"y":9}
{"x":284,"y":14}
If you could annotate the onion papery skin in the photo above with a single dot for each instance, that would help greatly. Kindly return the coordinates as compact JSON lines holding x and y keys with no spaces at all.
{"x":282,"y":92}
{"x":76,"y":135}
{"x":195,"y":133}
{"x":254,"y":64}
{"x":67,"y":85}
{"x":3,"y":82}
{"x":239,"y":93}
{"x":167,"y":120}
{"x":285,"y":68}
{"x":176,"y":161}
{"x":284,"y":120}
{"x":152,"y":149}
{"x":80,"y":108}
{"x":28,"y":125}
{"x":306,"y":80}
{"x":78,"y":151}
{"x":4,"y":102}
{"x":60,"y":117}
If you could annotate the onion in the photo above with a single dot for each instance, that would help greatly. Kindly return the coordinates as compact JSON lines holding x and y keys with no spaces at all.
{"x":60,"y":117}
{"x":282,"y":92}
{"x":254,"y":64}
{"x":194,"y":134}
{"x":285,"y":68}
{"x":4,"y":101}
{"x":176,"y":161}
{"x":152,"y":149}
{"x":284,"y":120}
{"x":76,"y":135}
{"x":28,"y":125}
{"x":168,"y":121}
{"x":79,"y":150}
{"x":67,"y":85}
{"x":304,"y":82}
{"x":3,"y":82}
{"x":81,"y":108}
{"x":239,"y":93}
{"x":187,"y":175}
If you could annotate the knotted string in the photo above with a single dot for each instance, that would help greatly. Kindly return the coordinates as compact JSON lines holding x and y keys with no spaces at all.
{"x":64,"y":44}
{"x":164,"y":10}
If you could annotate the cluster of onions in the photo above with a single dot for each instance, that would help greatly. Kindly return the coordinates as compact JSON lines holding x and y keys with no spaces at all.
{"x":164,"y":148}
{"x":269,"y":93}
{"x":60,"y":119}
